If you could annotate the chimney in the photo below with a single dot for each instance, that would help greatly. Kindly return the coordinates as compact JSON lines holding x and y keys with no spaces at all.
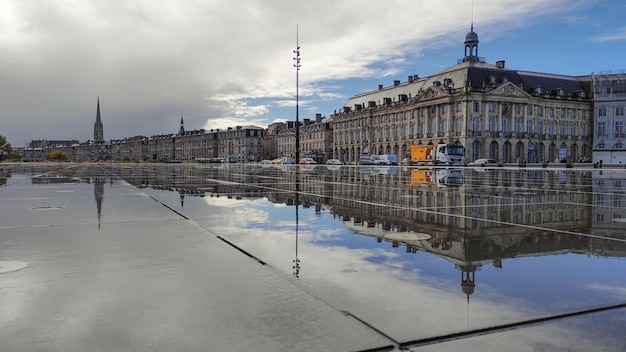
{"x":318,"y":117}
{"x":500,"y":64}
{"x":410,"y":79}
{"x":396,"y":82}
{"x":380,"y":87}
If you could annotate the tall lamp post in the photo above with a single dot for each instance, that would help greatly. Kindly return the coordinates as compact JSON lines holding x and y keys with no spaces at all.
{"x":297,"y":66}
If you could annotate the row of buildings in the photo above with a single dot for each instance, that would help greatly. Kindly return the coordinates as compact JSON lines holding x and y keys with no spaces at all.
{"x":493,"y":111}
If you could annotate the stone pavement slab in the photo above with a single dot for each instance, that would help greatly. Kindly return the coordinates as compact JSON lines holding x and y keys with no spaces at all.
{"x":143,"y":278}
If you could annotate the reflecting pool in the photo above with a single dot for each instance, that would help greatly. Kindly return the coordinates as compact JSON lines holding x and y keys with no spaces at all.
{"x":426,"y":258}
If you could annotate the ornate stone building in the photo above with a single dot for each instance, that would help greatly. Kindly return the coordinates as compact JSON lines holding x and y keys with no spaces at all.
{"x":240,"y":143}
{"x":316,"y":139}
{"x":493,"y":111}
{"x":609,"y":145}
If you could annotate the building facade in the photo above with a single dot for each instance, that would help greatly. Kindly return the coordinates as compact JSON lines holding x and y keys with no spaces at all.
{"x":609,"y":144}
{"x":493,"y":111}
{"x":240,"y":143}
{"x":316,"y":139}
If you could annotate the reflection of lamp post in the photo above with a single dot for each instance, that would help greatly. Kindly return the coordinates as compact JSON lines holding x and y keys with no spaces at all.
{"x":297,"y":66}
{"x":296,"y":261}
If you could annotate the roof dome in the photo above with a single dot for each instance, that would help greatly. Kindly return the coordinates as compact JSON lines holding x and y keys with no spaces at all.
{"x":471,"y":37}
{"x":471,"y":46}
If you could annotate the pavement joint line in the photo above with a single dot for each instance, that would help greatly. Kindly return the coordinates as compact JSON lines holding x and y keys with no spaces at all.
{"x":505,"y":327}
{"x":381,"y":349}
{"x":242,"y":250}
{"x":170,"y":208}
{"x":395,"y":343}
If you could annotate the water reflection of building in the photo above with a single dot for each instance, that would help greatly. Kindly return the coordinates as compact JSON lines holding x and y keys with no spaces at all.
{"x":608,"y":208}
{"x":470,"y":217}
{"x":496,"y":214}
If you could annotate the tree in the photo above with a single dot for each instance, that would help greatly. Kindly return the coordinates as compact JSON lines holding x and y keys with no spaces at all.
{"x":5,"y":148}
{"x":57,"y":155}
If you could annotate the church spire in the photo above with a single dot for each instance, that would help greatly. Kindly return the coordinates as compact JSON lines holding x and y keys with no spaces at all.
{"x":182,"y":126}
{"x":98,"y":129}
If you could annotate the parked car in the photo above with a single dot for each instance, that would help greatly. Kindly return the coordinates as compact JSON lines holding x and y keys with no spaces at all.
{"x":307,"y":161}
{"x":385,"y":159}
{"x":334,"y":162}
{"x":366,"y":159}
{"x":483,"y":162}
{"x":266,"y":163}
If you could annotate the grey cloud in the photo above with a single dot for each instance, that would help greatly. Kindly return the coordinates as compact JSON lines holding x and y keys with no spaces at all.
{"x":152,"y":61}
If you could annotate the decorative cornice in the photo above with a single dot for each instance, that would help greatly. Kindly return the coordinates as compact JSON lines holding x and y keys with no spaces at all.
{"x":508,"y":90}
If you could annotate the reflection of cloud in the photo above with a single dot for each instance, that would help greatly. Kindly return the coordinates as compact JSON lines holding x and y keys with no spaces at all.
{"x":250,"y":215}
{"x":230,"y":202}
{"x":618,"y":291}
{"x":350,"y":280}
{"x":407,"y":304}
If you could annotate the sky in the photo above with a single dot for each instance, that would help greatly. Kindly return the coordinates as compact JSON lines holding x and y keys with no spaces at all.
{"x":222,"y":64}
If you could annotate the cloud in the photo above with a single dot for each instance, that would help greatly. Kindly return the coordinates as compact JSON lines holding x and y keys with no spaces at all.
{"x":618,"y":35}
{"x":153,"y":61}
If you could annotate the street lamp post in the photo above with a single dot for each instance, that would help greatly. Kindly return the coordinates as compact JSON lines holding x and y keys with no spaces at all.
{"x":296,"y":261}
{"x":297,"y":66}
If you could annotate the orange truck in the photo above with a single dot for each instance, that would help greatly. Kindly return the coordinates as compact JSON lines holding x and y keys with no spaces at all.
{"x":440,"y":154}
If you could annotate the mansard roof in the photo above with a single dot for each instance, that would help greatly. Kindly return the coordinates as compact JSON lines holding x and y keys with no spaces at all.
{"x":480,"y":76}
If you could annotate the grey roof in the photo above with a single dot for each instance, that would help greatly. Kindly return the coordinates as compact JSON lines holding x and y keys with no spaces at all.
{"x":479,"y":75}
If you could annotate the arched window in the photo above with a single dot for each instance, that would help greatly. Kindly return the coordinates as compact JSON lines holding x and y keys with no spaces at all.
{"x":493,"y":150}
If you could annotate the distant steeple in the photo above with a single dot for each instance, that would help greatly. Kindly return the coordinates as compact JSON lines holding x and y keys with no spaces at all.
{"x":98,"y":129}
{"x":182,"y":126}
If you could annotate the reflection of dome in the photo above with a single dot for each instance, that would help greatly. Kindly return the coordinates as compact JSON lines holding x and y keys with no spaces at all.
{"x":468,"y":283}
{"x":468,"y":287}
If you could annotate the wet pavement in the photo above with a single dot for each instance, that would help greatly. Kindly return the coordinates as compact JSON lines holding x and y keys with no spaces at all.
{"x":234,"y":257}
